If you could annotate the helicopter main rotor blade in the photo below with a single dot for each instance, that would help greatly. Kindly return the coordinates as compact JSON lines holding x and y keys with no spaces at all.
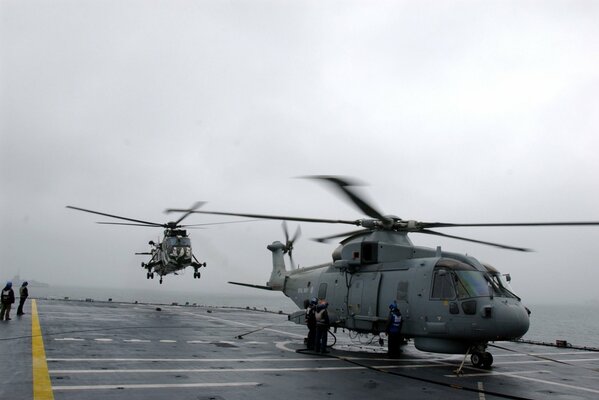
{"x":277,"y":217}
{"x":503,"y":246}
{"x":219,"y":223}
{"x":449,"y":225}
{"x":344,"y":184}
{"x":124,"y":223}
{"x":194,"y":207}
{"x":116,"y":216}
{"x":338,"y":235}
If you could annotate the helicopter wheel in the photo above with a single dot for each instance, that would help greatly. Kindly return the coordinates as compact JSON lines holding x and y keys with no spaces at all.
{"x":161,"y":280}
{"x":196,"y":275}
{"x":482,"y":360}
{"x":476,"y":359}
{"x":487,"y":359}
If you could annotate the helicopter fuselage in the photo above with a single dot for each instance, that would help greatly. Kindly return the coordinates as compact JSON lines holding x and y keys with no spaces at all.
{"x":173,"y":254}
{"x":450,"y":302}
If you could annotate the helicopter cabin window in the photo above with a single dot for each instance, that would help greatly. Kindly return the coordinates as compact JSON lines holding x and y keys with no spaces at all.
{"x":370,"y":254}
{"x":322,"y":291}
{"x":442,"y":285}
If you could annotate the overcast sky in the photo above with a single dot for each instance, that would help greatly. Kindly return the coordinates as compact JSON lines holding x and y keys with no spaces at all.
{"x":453,"y":111}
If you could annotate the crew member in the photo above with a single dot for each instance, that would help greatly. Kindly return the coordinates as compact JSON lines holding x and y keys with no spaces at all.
{"x":393,"y":329}
{"x":23,"y":293}
{"x":311,"y":322}
{"x":7,"y":298}
{"x":322,"y":327}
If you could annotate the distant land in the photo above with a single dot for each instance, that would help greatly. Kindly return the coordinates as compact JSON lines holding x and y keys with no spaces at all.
{"x":17,"y":281}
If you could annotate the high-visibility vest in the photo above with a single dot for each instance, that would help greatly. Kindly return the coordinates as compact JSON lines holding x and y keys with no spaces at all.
{"x":395,"y":323}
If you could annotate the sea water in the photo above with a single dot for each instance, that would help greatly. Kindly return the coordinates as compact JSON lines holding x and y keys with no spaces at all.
{"x":576,"y":324}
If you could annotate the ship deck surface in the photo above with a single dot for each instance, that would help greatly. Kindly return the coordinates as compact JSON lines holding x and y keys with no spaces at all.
{"x":104,"y":350}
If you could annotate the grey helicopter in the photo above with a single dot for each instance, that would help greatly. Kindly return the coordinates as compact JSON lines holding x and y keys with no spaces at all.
{"x":170,"y":255}
{"x":451,"y":303}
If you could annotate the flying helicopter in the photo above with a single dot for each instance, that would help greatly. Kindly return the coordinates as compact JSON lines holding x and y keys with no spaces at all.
{"x":173,"y":253}
{"x":451,"y":303}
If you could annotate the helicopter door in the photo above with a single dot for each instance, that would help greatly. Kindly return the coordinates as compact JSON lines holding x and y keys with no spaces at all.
{"x":364,"y":308}
{"x":442,"y":293}
{"x":355,"y":297}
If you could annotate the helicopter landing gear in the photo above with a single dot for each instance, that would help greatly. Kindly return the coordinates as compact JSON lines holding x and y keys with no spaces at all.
{"x":479,"y":357}
{"x":150,"y":275}
{"x":196,"y":266}
{"x":161,"y":279}
{"x":481,"y":360}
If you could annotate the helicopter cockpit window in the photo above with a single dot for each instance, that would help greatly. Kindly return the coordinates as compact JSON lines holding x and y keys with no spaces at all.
{"x":181,"y":251}
{"x":501,"y":287}
{"x":442,"y":285}
{"x":467,"y":281}
{"x":473,"y":283}
{"x":500,"y":283}
{"x":178,"y":241}
{"x":179,"y":247}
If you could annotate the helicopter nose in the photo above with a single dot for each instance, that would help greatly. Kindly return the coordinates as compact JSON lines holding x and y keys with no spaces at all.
{"x":512,"y":320}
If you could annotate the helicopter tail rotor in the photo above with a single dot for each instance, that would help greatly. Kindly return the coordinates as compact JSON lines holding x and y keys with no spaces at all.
{"x":289,"y":242}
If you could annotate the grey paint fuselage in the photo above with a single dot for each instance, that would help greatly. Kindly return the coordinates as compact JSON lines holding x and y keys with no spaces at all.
{"x":359,"y":295}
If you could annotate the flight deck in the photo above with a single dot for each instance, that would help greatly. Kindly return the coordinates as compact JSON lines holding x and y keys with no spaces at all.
{"x":103,"y":350}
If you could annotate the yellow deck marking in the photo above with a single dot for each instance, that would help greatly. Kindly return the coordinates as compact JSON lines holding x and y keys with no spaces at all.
{"x":42,"y":388}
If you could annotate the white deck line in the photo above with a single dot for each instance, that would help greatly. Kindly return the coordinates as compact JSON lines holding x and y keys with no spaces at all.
{"x":154,"y":386}
{"x":200,"y":370}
